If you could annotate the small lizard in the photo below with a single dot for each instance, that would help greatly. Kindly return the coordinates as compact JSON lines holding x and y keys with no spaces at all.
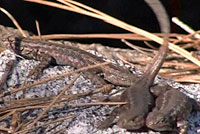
{"x":47,"y":52}
{"x":138,"y":97}
{"x":172,"y":108}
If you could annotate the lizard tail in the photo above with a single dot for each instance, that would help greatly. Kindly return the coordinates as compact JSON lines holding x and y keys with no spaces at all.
{"x":164,"y":23}
{"x":161,"y":15}
{"x":153,"y":68}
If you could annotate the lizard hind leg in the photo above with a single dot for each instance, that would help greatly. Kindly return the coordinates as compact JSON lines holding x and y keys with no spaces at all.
{"x":110,"y":120}
{"x":37,"y":71}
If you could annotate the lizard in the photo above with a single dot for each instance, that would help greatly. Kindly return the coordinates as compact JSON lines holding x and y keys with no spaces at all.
{"x":138,"y":97}
{"x":172,"y":106}
{"x":28,"y":44}
{"x":171,"y":110}
{"x":47,"y":52}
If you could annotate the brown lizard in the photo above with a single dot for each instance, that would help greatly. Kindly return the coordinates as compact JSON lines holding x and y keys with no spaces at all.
{"x":171,"y":110}
{"x":138,"y":97}
{"x":172,"y":106}
{"x":47,"y":53}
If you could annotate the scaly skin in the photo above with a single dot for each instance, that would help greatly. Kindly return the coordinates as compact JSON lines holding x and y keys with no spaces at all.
{"x":47,"y":52}
{"x":172,"y":106}
{"x":138,"y":97}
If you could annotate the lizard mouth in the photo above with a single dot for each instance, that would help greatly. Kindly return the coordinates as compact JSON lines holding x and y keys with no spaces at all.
{"x":158,"y":123}
{"x":160,"y":126}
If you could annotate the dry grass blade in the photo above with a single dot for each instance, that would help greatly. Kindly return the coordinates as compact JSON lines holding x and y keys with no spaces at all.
{"x":16,"y":119}
{"x":14,"y":22}
{"x":194,"y":78}
{"x":26,"y":104}
{"x":38,"y":29}
{"x":54,"y":101}
{"x":139,"y":49}
{"x":69,"y":104}
{"x":46,"y":124}
{"x":188,"y":66}
{"x":7,"y":130}
{"x":7,"y":115}
{"x":25,"y":87}
{"x":96,"y":103}
{"x":106,"y":36}
{"x":184,"y":26}
{"x":187,"y":38}
{"x":83,"y":9}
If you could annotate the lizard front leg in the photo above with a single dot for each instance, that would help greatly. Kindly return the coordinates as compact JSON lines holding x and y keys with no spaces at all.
{"x":44,"y":63}
{"x":8,"y":69}
{"x":110,"y":120}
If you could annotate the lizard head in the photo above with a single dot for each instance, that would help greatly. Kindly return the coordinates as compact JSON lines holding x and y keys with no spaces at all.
{"x":7,"y":43}
{"x":159,"y":122}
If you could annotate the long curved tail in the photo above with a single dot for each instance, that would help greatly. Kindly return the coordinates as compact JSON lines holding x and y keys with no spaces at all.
{"x":163,"y":19}
{"x":161,"y":14}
